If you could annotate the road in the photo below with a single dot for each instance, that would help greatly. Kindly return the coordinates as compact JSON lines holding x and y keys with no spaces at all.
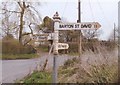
{"x":17,"y":69}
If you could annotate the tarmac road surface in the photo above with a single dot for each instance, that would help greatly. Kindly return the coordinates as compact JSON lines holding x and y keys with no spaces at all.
{"x":17,"y":69}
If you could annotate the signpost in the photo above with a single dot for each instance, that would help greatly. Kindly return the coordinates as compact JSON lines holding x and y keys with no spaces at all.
{"x":55,"y":46}
{"x":59,"y":46}
{"x":40,"y":37}
{"x":50,"y":36}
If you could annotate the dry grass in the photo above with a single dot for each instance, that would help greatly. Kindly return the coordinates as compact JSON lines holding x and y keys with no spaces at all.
{"x":101,"y":67}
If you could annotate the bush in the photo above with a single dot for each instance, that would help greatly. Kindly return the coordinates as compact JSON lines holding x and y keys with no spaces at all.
{"x":44,"y":48}
{"x":18,"y":56}
{"x":91,"y":45}
{"x":14,"y":47}
{"x":73,"y":47}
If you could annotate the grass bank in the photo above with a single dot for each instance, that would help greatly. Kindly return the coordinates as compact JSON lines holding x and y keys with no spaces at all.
{"x":91,"y":67}
{"x":18,"y":56}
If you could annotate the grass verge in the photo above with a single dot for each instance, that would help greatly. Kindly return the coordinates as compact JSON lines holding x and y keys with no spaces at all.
{"x":90,"y":68}
{"x":18,"y":56}
{"x":37,"y":77}
{"x":96,"y":74}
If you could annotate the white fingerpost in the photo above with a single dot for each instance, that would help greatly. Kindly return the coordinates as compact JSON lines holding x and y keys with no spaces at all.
{"x":56,"y":19}
{"x":56,"y":32}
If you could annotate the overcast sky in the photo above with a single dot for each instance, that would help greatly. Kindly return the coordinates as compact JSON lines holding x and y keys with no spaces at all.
{"x":103,"y":11}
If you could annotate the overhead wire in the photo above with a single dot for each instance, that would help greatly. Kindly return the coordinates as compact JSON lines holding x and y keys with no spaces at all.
{"x":91,"y":11}
{"x":103,"y":13}
{"x":66,"y":3}
{"x":92,"y":15}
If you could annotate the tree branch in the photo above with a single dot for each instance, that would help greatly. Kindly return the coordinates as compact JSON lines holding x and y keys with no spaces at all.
{"x":36,"y":12}
{"x":20,"y":5}
{"x":11,"y":11}
{"x":30,"y":28}
{"x":30,"y":32}
{"x":25,"y":34}
{"x":27,"y":42}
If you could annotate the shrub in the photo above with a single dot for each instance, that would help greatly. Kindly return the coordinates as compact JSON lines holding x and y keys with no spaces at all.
{"x":73,"y":47}
{"x":44,"y":48}
{"x":91,"y":45}
{"x":14,"y":47}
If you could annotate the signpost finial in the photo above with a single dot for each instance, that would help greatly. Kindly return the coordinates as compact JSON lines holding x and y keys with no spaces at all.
{"x":56,"y":16}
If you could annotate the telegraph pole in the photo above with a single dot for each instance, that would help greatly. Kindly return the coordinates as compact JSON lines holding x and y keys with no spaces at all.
{"x":79,"y":11}
{"x":78,"y":21}
{"x":114,"y":32}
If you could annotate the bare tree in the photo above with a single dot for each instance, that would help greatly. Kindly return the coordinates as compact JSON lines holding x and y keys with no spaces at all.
{"x":27,"y":15}
{"x":8,"y":26}
{"x":90,"y":34}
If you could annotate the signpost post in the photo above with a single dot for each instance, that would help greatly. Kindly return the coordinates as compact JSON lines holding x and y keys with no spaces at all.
{"x":55,"y":46}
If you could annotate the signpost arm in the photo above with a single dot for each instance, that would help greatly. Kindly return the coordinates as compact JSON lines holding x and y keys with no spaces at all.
{"x":55,"y":44}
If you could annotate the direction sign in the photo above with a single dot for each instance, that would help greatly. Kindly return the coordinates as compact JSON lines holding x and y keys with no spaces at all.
{"x":78,"y":26}
{"x":50,"y":36}
{"x":63,"y":46}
